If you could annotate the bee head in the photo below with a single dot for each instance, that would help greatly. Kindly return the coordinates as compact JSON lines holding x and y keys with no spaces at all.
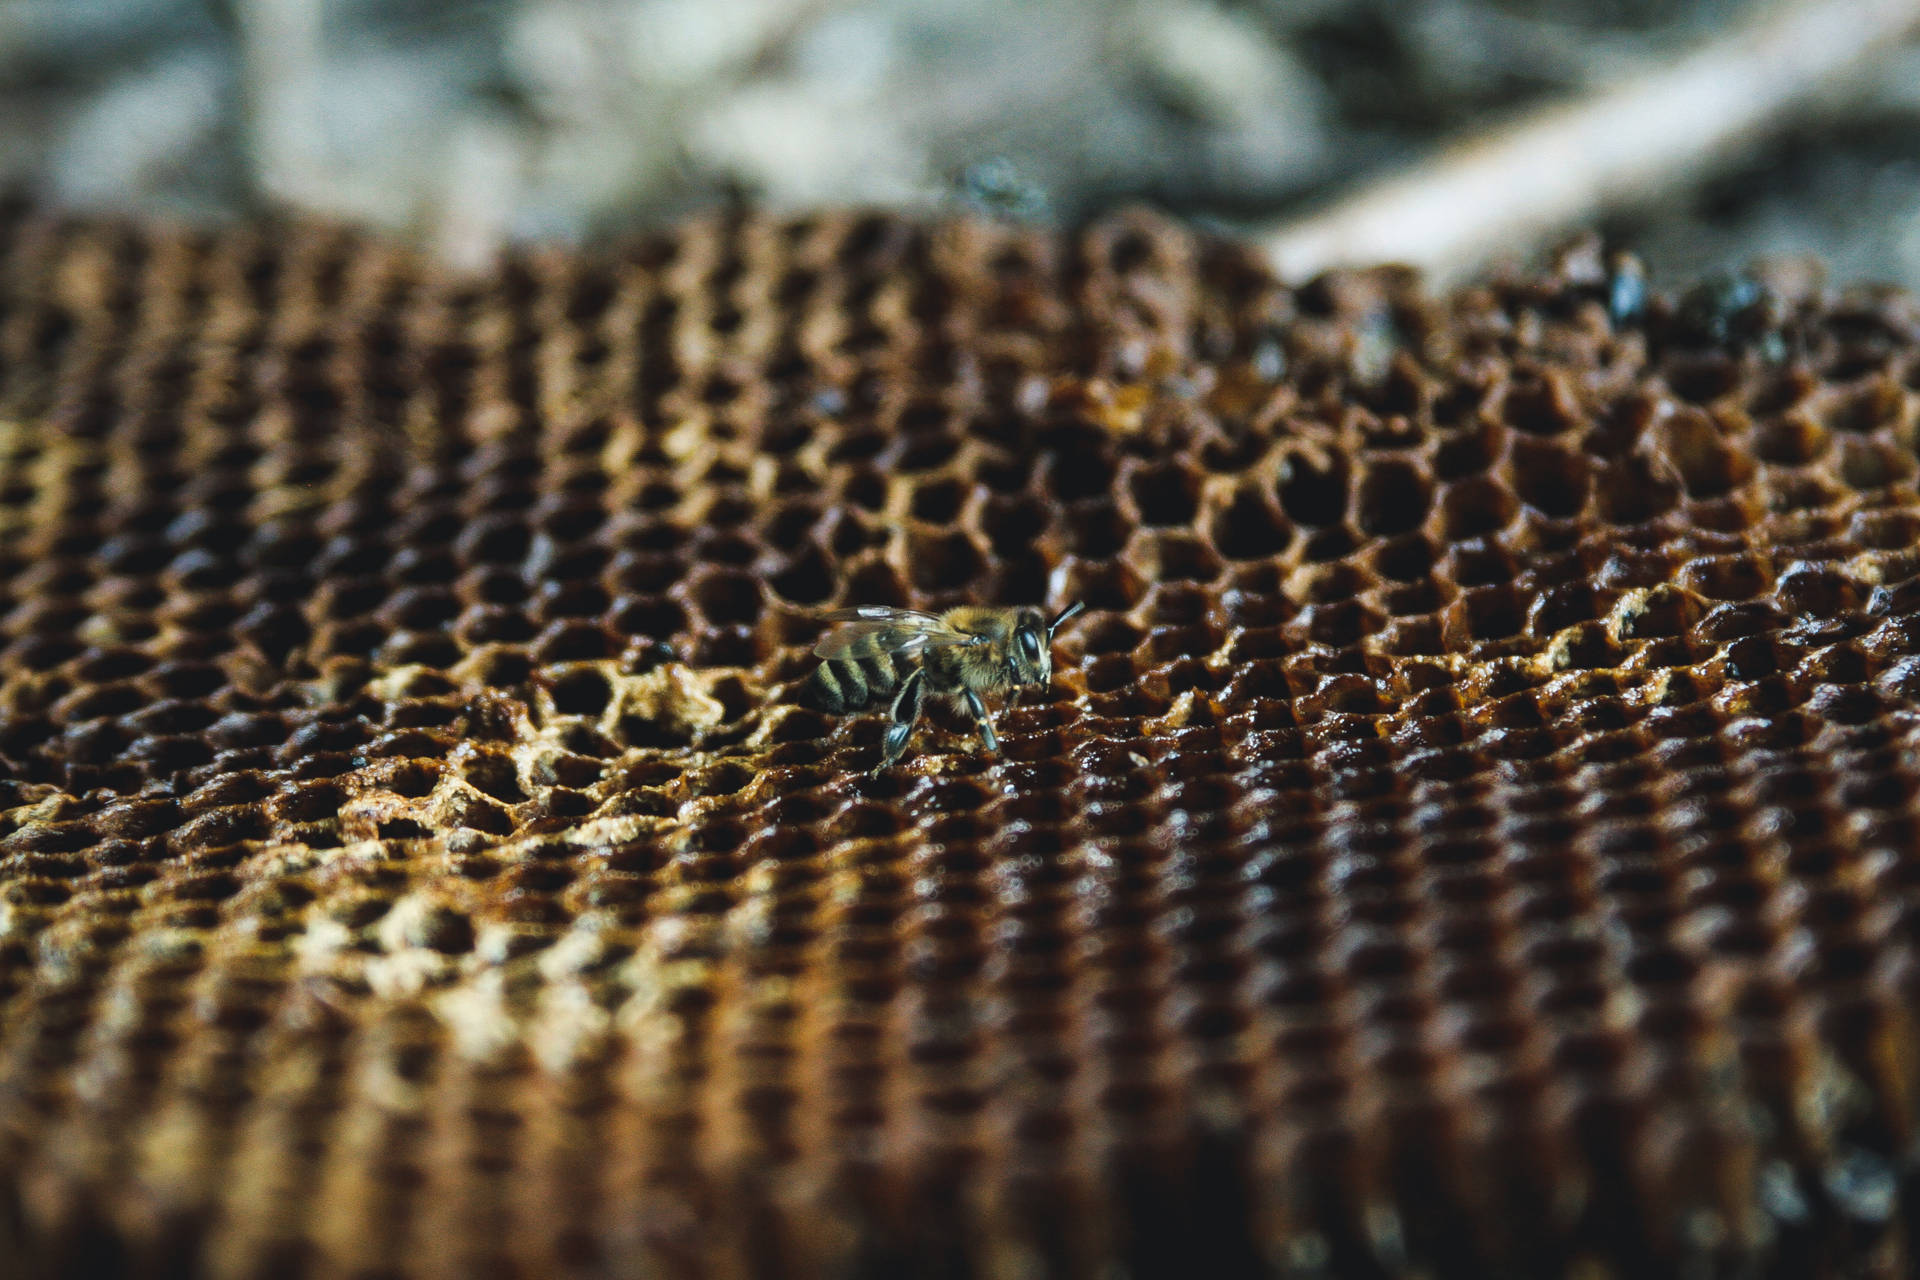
{"x":1030,"y":653}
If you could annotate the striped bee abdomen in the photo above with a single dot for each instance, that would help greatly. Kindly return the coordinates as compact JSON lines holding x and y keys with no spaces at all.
{"x":855,"y":684}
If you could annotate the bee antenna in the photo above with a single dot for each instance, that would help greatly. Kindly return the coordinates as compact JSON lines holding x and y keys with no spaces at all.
{"x":1064,"y":614}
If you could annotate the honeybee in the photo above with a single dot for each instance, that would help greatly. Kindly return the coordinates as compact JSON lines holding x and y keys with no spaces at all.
{"x":961,"y":655}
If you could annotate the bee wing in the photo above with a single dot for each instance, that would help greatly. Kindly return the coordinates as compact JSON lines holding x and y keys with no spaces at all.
{"x":874,"y":629}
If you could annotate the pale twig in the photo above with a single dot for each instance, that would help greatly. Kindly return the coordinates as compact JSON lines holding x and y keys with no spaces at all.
{"x":281,"y":59}
{"x":1501,"y":193}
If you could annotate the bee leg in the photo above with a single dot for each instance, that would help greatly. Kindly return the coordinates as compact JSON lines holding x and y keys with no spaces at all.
{"x":906,"y":710}
{"x":987,"y":735}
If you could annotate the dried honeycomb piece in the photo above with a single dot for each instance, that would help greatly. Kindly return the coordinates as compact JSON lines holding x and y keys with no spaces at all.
{"x":1471,"y":832}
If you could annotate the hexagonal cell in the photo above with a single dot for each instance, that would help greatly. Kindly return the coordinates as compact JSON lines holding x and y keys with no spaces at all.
{"x":1551,"y":479}
{"x":1474,"y":507}
{"x":1313,"y":488}
{"x":1392,"y":498}
{"x":940,"y":562}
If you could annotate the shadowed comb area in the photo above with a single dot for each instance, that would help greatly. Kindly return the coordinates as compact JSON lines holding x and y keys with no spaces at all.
{"x":1471,"y":831}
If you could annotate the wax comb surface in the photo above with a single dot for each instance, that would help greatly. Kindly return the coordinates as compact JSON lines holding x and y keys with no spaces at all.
{"x":1471,"y":831}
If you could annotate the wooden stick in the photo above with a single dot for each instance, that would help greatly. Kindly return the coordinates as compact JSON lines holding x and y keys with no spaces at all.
{"x":281,"y":111}
{"x":1502,"y":192}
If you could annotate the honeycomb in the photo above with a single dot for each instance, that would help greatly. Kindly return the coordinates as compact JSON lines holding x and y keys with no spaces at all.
{"x":1472,"y":831}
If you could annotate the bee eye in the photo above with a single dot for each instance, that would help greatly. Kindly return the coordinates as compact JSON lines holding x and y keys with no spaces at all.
{"x":1030,"y":645}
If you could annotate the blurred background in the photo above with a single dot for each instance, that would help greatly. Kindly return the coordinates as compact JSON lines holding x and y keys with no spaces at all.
{"x":468,"y":124}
